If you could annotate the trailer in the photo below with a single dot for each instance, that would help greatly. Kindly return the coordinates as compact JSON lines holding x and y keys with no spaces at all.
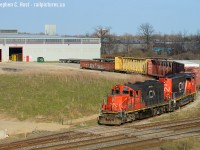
{"x":70,"y":60}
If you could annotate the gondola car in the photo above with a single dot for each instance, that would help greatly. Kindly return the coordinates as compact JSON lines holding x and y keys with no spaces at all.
{"x":98,"y":64}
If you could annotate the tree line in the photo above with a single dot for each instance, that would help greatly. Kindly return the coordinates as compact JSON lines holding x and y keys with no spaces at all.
{"x":148,"y":43}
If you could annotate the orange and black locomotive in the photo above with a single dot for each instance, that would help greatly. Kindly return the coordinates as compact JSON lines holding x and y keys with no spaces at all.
{"x":140,"y":100}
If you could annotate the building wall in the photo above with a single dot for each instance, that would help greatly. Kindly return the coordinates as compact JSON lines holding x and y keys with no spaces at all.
{"x":54,"y":52}
{"x":52,"y":48}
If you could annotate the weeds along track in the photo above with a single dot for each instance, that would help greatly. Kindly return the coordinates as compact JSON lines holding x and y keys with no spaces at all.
{"x":113,"y":137}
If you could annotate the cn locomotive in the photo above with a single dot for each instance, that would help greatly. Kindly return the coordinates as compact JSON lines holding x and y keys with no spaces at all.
{"x":133,"y":101}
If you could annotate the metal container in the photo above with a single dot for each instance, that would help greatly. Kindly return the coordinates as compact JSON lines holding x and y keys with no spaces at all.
{"x":162,"y":68}
{"x":130,"y":64}
{"x":40,"y":59}
{"x":177,"y":67}
{"x":188,"y":63}
{"x":97,"y":65}
{"x":159,"y":67}
{"x":196,"y":72}
{"x":118,"y":63}
{"x":14,"y":57}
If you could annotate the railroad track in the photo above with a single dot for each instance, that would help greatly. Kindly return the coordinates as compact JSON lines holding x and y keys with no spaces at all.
{"x":112,"y":137}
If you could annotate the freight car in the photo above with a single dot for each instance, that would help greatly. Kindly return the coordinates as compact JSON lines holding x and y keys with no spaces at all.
{"x":151,"y":67}
{"x":196,"y":72}
{"x":131,"y":64}
{"x":140,"y":100}
{"x":98,"y":64}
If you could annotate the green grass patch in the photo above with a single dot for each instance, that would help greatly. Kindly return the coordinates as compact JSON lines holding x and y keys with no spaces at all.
{"x":53,"y":96}
{"x":182,"y":144}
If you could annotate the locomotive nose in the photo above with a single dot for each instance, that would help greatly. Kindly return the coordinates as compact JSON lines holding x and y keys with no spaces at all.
{"x":115,"y":103}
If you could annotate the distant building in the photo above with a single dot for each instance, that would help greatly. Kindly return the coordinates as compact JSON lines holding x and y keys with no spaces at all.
{"x":8,"y":31}
{"x":162,"y":48}
{"x":28,"y":47}
{"x":50,"y":29}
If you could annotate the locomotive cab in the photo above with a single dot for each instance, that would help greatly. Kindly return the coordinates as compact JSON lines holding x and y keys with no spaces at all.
{"x":117,"y":101}
{"x":125,"y":101}
{"x":122,"y":100}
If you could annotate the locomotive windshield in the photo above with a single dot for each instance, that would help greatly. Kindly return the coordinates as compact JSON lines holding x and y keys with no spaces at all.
{"x":125,"y":90}
{"x":116,"y":91}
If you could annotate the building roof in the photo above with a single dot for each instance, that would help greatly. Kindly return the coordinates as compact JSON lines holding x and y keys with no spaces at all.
{"x":31,"y":36}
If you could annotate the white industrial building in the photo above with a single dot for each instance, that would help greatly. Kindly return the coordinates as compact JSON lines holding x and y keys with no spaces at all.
{"x":28,"y":47}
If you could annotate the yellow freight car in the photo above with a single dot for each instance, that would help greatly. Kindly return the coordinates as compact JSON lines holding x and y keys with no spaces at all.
{"x":131,"y":64}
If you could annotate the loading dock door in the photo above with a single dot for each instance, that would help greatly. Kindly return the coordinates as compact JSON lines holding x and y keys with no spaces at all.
{"x":15,"y":53}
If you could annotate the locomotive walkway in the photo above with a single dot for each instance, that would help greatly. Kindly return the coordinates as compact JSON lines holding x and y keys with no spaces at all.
{"x":113,"y":137}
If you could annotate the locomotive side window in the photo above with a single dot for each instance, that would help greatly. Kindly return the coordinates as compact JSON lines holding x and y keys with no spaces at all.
{"x":131,"y":93}
{"x":125,"y":90}
{"x":136,"y":93}
{"x":115,"y":92}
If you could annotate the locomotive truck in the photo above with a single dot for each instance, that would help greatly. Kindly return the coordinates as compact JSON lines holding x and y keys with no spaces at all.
{"x":133,"y":101}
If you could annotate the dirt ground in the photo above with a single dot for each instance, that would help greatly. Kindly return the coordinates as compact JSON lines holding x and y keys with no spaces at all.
{"x":15,"y":126}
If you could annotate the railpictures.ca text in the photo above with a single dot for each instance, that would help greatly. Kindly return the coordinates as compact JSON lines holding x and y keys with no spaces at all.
{"x":32,"y":4}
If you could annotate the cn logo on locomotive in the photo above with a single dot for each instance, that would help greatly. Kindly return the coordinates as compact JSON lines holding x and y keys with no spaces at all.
{"x":181,"y":86}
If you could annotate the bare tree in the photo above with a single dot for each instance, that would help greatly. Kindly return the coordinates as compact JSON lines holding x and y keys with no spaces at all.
{"x":106,"y":38}
{"x":146,"y":30}
{"x":102,"y":33}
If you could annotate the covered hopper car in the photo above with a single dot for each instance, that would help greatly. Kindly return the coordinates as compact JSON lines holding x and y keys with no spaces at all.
{"x":132,"y":101}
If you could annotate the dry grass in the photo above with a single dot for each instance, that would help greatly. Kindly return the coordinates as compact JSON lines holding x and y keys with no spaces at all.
{"x":55,"y":95}
{"x":182,"y":144}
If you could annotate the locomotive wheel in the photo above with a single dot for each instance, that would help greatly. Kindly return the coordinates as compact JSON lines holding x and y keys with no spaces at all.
{"x":178,"y":105}
{"x":155,"y":112}
{"x":130,"y":117}
{"x":161,"y":110}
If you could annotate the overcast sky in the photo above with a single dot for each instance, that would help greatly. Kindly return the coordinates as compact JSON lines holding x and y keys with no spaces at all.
{"x":74,"y":17}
